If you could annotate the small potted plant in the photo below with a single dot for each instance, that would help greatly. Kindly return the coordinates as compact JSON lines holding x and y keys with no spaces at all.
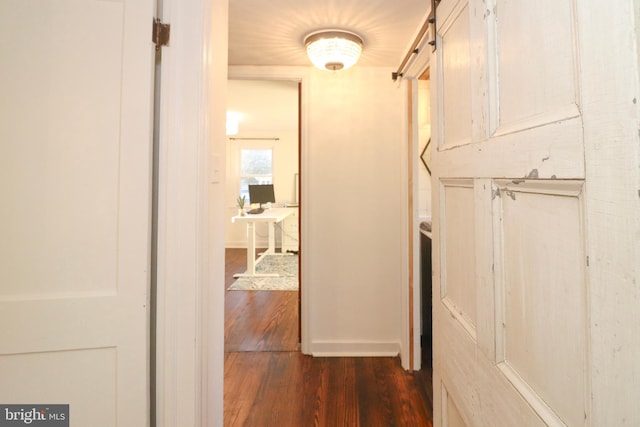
{"x":241,"y":201}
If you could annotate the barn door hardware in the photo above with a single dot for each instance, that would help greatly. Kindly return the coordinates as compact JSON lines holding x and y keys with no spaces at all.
{"x":414,"y":50}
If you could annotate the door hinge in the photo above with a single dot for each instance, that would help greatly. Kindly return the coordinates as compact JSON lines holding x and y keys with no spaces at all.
{"x":160,"y":35}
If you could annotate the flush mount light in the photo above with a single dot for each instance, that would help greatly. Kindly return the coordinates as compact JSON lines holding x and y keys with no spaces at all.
{"x":333,"y":49}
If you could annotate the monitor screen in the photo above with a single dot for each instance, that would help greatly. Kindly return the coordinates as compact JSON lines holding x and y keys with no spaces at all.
{"x":262,"y":194}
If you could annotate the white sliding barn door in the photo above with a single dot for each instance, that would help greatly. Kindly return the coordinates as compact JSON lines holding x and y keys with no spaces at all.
{"x":75,"y":151}
{"x":510,"y":289}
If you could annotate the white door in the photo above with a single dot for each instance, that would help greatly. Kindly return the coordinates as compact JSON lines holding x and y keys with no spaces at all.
{"x":75,"y":150}
{"x":510,"y":290}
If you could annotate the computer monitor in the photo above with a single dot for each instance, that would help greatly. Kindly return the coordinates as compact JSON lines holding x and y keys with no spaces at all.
{"x":261,"y":193}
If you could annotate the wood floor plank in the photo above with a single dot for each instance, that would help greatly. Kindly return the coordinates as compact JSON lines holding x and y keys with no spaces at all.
{"x":244,"y":373}
{"x":261,"y":321}
{"x":291,"y":389}
{"x":279,"y":400}
{"x":373,"y":393}
{"x":258,"y":320}
{"x":343,"y":407}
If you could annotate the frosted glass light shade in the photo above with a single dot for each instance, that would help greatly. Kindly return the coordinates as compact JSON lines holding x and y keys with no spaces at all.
{"x":333,"y":49}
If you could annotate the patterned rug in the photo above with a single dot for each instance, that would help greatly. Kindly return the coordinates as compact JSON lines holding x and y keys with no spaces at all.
{"x":284,"y":265}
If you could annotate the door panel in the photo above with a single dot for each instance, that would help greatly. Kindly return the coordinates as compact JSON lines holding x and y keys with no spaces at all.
{"x":542,"y":347}
{"x":543,"y":94}
{"x":458,"y":284}
{"x":41,"y":372}
{"x":510,"y":297}
{"x":56,"y":116}
{"x":456,"y":79}
{"x":452,"y":417}
{"x":75,"y":126}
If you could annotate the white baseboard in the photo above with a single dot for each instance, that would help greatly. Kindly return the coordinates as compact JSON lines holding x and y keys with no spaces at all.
{"x":354,"y":349}
{"x":243,"y":244}
{"x":235,"y":245}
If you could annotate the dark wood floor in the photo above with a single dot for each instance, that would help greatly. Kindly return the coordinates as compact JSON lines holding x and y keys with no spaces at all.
{"x":268,"y":382}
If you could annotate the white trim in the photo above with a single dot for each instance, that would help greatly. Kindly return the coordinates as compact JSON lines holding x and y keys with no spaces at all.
{"x":190,"y":301}
{"x":355,"y":349}
{"x":416,"y":68}
{"x":417,"y":258}
{"x":236,"y":244}
{"x":405,"y":321}
{"x":249,"y":72}
{"x":213,"y":212}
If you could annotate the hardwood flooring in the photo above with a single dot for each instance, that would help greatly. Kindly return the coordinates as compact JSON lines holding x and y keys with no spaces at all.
{"x":268,"y":382}
{"x":257,"y":320}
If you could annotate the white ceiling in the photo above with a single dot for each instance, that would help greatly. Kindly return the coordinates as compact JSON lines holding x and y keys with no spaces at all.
{"x":271,"y":32}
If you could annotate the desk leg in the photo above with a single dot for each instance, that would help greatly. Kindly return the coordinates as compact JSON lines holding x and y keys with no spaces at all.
{"x":282,"y":238}
{"x":272,"y":238}
{"x":251,"y":249}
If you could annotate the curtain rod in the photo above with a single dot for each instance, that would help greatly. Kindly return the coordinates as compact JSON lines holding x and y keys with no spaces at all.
{"x":414,"y":47}
{"x":254,"y":139}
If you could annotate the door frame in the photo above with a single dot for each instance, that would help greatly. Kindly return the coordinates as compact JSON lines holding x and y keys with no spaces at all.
{"x":190,"y":290}
{"x":411,"y":308}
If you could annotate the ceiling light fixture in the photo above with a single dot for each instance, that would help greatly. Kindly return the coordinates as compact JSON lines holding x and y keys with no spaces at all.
{"x":333,"y":49}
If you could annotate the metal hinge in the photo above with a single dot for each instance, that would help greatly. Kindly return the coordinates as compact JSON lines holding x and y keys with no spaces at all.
{"x":160,"y":35}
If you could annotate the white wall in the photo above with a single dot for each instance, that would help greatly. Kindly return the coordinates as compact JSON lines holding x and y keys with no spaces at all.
{"x":269,"y":109}
{"x":352,"y":211}
{"x":351,"y":159}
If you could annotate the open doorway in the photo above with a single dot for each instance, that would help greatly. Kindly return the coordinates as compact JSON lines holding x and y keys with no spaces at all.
{"x":423,"y":172}
{"x":263,"y":130}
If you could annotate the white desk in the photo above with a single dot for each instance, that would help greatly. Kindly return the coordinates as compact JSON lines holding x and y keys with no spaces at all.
{"x":271,"y":217}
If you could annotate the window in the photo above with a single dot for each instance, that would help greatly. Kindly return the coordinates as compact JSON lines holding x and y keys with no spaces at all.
{"x":256,"y":167}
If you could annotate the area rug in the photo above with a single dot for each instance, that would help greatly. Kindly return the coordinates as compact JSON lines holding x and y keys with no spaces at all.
{"x":284,"y":265}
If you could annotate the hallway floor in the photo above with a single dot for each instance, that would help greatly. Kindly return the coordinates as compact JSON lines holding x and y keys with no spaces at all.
{"x":268,"y":382}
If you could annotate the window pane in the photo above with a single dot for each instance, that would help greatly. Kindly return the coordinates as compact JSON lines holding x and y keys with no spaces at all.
{"x":255,"y":162}
{"x":255,"y":168}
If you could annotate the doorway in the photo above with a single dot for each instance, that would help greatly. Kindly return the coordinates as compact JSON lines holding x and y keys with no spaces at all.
{"x":263,"y":133}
